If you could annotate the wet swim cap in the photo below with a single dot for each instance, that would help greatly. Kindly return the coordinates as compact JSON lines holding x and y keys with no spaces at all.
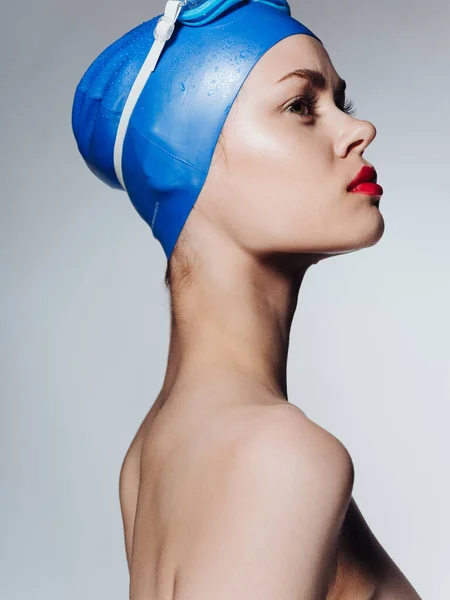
{"x":153,"y":133}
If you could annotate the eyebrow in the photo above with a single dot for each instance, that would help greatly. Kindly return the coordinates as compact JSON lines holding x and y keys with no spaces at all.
{"x":316,"y":79}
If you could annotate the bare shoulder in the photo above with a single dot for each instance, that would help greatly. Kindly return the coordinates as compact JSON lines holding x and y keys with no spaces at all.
{"x":286,"y":435}
{"x":273,"y":528}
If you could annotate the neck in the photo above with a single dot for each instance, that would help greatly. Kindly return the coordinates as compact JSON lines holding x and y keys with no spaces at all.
{"x":235,"y":319}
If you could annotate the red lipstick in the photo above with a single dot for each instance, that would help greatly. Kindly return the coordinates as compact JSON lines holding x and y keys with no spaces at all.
{"x":365,"y":182}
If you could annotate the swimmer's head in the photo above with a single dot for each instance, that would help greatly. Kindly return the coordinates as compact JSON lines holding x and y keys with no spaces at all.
{"x":213,"y":128}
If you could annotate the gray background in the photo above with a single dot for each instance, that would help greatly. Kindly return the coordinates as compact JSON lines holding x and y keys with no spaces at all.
{"x":85,"y":317}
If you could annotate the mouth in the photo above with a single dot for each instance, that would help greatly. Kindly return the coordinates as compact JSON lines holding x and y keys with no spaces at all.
{"x":365,"y":182}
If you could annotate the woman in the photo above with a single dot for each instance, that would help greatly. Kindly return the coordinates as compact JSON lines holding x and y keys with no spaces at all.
{"x":228,"y":490}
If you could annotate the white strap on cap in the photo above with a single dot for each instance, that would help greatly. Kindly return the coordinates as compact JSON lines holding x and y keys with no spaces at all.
{"x":162,"y":32}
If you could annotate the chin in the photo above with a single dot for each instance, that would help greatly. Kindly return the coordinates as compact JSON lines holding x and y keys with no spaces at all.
{"x":378,"y":229}
{"x":366,"y":228}
{"x":372,"y":232}
{"x":365,"y":236}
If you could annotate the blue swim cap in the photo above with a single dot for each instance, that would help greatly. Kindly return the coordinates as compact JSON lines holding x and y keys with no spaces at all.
{"x":149,"y":110}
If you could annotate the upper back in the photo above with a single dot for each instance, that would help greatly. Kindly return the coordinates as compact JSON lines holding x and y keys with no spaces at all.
{"x":193,"y":494}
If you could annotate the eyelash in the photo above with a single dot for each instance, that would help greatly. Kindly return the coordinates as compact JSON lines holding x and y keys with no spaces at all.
{"x":310,"y":100}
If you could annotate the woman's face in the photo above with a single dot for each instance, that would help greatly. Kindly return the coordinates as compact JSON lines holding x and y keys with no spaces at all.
{"x":280,"y":183}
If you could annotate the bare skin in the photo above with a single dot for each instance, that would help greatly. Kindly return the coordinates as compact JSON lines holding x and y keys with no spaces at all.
{"x":275,"y":202}
{"x":172,"y":456}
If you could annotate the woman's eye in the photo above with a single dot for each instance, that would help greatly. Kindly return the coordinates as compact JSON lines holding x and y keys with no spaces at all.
{"x":304,"y":106}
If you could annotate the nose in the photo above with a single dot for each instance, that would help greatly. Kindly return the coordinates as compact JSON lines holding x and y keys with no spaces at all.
{"x":357,"y":135}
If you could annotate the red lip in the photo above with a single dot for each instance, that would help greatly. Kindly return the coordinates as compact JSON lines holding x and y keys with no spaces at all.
{"x":365,"y":182}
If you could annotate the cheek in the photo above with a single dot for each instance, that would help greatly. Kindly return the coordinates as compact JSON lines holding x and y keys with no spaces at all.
{"x":279,"y":172}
